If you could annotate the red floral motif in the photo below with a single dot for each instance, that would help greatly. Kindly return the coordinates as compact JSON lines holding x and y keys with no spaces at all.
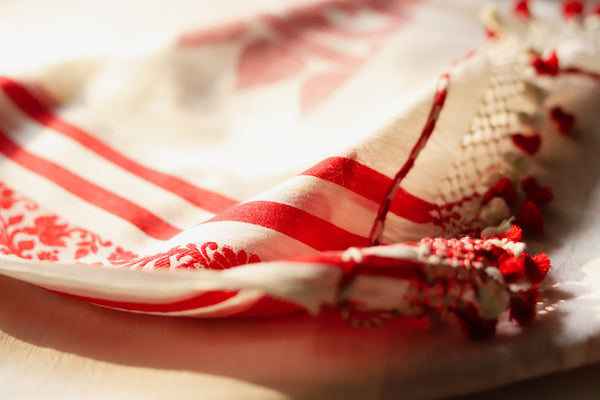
{"x":31,"y":233}
{"x":120,"y":256}
{"x":49,"y":231}
{"x":6,"y":198}
{"x":47,"y":255}
{"x":285,"y":45}
{"x":28,"y":232}
{"x":264,"y":61}
{"x":192,"y":256}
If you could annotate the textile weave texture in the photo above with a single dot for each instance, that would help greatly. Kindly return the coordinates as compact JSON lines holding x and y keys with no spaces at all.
{"x":343,"y":157}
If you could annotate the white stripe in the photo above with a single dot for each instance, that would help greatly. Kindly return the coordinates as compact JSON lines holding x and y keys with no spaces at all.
{"x":307,"y":284}
{"x":326,"y":200}
{"x":343,"y":208}
{"x":69,"y":154}
{"x":70,"y":208}
{"x":240,"y":235}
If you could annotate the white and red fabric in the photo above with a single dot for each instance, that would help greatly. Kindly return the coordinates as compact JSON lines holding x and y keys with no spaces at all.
{"x":301,"y":158}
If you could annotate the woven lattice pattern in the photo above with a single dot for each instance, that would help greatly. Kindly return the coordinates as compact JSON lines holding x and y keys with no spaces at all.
{"x":487,"y":146}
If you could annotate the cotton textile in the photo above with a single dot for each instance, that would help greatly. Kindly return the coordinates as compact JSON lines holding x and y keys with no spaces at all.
{"x":113,"y":157}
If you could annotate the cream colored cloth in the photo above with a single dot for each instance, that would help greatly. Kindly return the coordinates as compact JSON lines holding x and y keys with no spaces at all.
{"x":126,"y":78}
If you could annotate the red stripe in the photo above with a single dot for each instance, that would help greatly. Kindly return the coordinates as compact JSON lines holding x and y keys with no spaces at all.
{"x":202,"y":300}
{"x":147,"y":222}
{"x":31,"y":106}
{"x":384,"y":207}
{"x":579,"y":71}
{"x":374,"y":265}
{"x":293,"y":222}
{"x":373,"y":185}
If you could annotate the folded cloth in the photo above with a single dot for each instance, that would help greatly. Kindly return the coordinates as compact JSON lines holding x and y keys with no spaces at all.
{"x":314,"y":149}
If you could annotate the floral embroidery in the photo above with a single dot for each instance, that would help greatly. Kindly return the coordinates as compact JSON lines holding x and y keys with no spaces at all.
{"x":120,"y":256}
{"x":289,"y":47}
{"x":276,"y":48}
{"x":47,"y":255}
{"x":49,"y":231}
{"x":26,"y":231}
{"x":193,"y":256}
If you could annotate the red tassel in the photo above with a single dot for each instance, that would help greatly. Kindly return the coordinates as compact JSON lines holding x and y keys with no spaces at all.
{"x":505,"y":189}
{"x":536,"y":268}
{"x":476,"y":327}
{"x":512,"y":269}
{"x":543,"y":264}
{"x":529,"y":184}
{"x":530,"y":219}
{"x":530,"y":144}
{"x":521,"y":9}
{"x":522,"y":305}
{"x":564,"y":121}
{"x":572,"y":9}
{"x":536,"y":193}
{"x":549,"y":66}
{"x":514,"y":234}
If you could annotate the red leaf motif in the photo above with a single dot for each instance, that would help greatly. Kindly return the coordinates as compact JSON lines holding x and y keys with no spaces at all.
{"x":81,"y":253}
{"x":46,"y":255}
{"x":229,"y":255}
{"x":241,"y":257}
{"x":319,"y":87}
{"x":263,"y":62}
{"x":49,"y":231}
{"x":6,"y":198}
{"x":25,"y":245}
{"x":15,"y":220}
{"x":120,"y":256}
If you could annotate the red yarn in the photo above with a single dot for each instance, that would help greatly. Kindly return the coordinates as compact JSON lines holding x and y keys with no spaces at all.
{"x":530,"y":219}
{"x":521,"y":9}
{"x":529,"y":184}
{"x":548,"y":66}
{"x":530,"y":144}
{"x":476,"y":327}
{"x":514,"y":234}
{"x":535,"y":273}
{"x":543,"y":265}
{"x":505,"y":189}
{"x":564,"y":121}
{"x":572,"y":9}
{"x":540,"y":195}
{"x":512,"y":268}
{"x":522,"y":305}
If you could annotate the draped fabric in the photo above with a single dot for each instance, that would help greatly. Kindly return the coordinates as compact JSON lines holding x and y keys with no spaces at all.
{"x":364,"y":156}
